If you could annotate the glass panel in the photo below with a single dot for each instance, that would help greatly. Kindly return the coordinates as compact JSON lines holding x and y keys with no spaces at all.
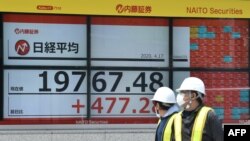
{"x":138,"y":42}
{"x":211,"y":43}
{"x":125,"y":94}
{"x":43,"y":79}
{"x":44,"y":93}
{"x":49,"y":40}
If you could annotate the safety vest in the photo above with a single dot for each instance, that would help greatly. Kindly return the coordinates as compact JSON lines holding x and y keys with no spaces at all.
{"x":198,"y":126}
{"x":168,"y":128}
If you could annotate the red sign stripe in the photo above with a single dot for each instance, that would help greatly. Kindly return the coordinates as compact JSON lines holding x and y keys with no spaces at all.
{"x":118,"y":120}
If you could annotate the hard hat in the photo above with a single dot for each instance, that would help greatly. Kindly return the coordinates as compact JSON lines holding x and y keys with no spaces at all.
{"x":164,"y":95}
{"x":193,"y":84}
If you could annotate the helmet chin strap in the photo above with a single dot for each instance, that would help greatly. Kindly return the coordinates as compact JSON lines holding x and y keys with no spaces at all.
{"x":188,"y":105}
{"x":200,"y":96}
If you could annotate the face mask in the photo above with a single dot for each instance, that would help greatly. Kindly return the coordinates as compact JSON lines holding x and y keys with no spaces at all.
{"x":179,"y":100}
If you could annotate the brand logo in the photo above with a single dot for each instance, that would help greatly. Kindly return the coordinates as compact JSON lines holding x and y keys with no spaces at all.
{"x":26,"y":31}
{"x":44,"y":7}
{"x":119,"y":8}
{"x":236,"y":131}
{"x":139,"y":9}
{"x":22,"y":47}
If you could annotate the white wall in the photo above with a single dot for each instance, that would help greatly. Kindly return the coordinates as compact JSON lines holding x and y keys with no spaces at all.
{"x":78,"y":133}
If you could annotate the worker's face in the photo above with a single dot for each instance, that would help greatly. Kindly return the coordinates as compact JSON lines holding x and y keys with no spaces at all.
{"x":184,"y":98}
{"x":188,"y":95}
{"x":157,"y":106}
{"x":185,"y":95}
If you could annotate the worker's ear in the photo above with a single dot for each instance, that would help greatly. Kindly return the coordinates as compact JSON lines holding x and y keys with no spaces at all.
{"x":193,"y":95}
{"x":157,"y":105}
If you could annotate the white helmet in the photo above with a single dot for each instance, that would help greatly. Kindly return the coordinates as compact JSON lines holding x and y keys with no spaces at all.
{"x":193,"y":84}
{"x":164,"y":95}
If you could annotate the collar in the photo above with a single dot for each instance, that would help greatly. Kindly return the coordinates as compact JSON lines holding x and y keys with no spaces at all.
{"x":175,"y":108}
{"x":188,"y":113}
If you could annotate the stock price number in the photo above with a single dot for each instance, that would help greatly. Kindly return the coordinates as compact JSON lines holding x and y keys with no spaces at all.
{"x":102,"y":81}
{"x":62,"y":79}
{"x":127,"y":81}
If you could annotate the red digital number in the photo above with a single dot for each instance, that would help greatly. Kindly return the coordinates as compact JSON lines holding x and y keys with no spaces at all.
{"x":144,"y":108}
{"x":97,"y":105}
{"x":126,"y":99}
{"x":113,"y":100}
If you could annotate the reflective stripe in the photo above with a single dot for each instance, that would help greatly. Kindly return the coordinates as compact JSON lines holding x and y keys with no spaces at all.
{"x":178,"y":126}
{"x":198,"y":126}
{"x":168,"y":129}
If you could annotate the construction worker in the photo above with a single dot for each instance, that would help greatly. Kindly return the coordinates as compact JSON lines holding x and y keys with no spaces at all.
{"x":164,"y":101}
{"x":195,"y":122}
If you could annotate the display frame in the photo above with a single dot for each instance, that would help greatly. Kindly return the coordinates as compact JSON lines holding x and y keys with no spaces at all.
{"x":170,"y":68}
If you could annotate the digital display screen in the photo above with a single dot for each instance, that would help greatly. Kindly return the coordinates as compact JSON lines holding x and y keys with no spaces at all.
{"x":46,"y":72}
{"x":69,"y":69}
